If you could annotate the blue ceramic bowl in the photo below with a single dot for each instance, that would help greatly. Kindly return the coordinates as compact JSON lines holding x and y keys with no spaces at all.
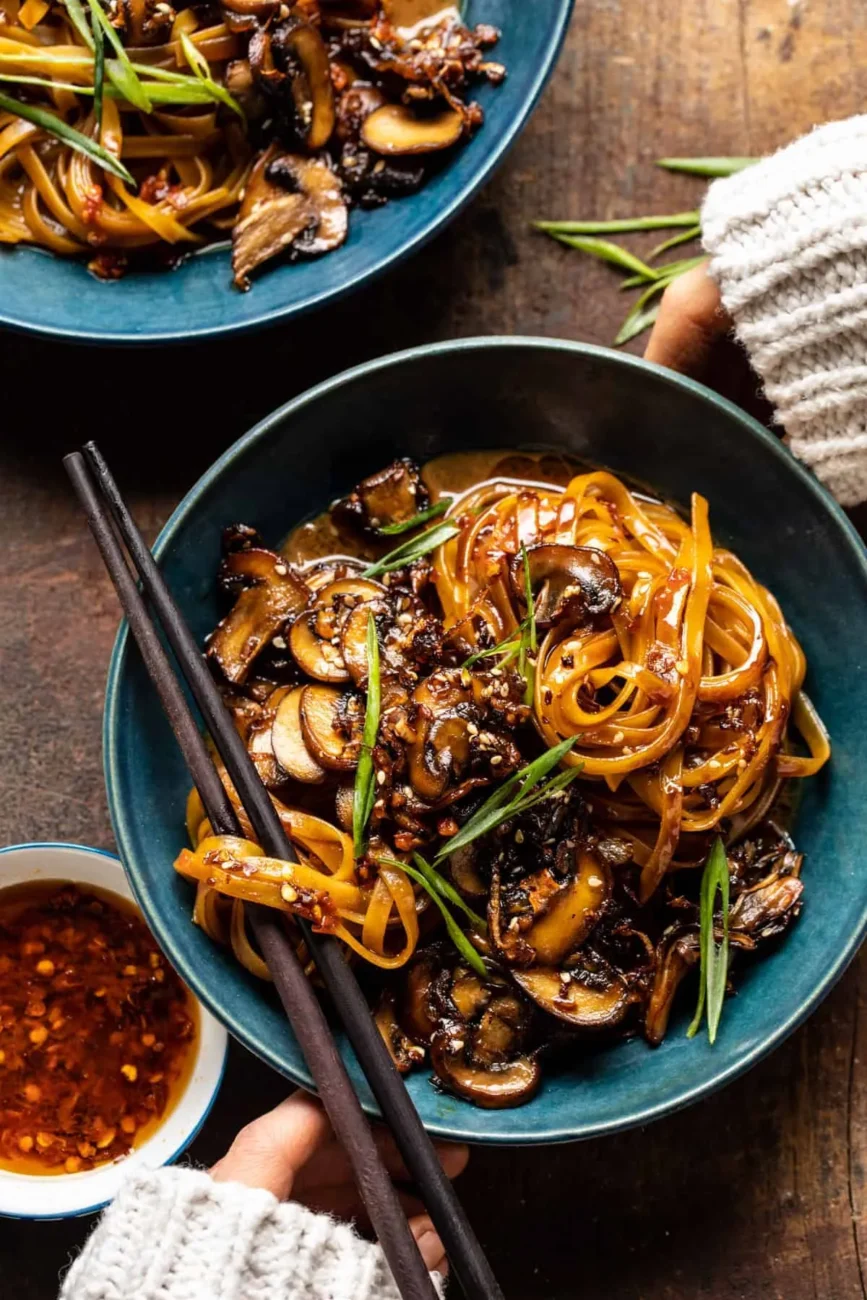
{"x":50,"y":295}
{"x":613,"y":410}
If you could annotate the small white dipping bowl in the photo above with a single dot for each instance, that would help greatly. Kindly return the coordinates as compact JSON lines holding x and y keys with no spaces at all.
{"x":59,"y":1196}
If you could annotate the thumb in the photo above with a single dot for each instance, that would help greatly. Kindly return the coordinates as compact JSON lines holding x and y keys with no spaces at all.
{"x":691,"y":321}
{"x":271,"y":1150}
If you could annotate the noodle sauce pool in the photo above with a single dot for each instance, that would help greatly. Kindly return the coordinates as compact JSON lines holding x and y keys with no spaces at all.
{"x":97,"y":1032}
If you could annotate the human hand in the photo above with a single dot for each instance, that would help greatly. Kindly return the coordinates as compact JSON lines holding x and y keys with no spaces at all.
{"x":292,"y":1151}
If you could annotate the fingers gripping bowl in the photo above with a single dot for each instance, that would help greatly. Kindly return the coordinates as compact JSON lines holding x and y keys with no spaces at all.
{"x":581,"y":401}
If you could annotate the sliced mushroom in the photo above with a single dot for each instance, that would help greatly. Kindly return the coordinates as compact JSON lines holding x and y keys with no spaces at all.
{"x":355,"y":104}
{"x":499,"y":1086}
{"x":288,"y":744}
{"x":416,"y":1013}
{"x":396,"y":129}
{"x":319,"y":641}
{"x":678,"y":952}
{"x":593,"y":996}
{"x":344,"y":805}
{"x":327,"y":718}
{"x":259,"y":741}
{"x":247,"y":15}
{"x":289,"y":203}
{"x":300,"y":48}
{"x":392,"y":496}
{"x":146,"y":22}
{"x":573,"y":912}
{"x":769,"y":907}
{"x":464,"y":872}
{"x":402,"y":1050}
{"x":540,"y":919}
{"x":575,"y":581}
{"x":273,"y":592}
{"x":477,"y":1049}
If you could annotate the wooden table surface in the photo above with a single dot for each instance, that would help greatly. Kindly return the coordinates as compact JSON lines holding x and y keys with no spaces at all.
{"x":760,"y":1191}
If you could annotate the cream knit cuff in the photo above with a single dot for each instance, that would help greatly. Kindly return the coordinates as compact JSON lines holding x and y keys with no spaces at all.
{"x":175,"y":1234}
{"x":788,"y":243}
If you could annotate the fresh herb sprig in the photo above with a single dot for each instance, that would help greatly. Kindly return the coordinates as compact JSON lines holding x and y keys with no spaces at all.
{"x":521,"y":792}
{"x":414,"y":549}
{"x":431,"y":883}
{"x":652,"y":280}
{"x":423,"y":517}
{"x":714,"y":957}
{"x":55,"y":126}
{"x":364,"y":794}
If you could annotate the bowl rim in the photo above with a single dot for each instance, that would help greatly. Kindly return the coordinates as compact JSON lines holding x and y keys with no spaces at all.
{"x":440,"y":218}
{"x":457,"y":1129}
{"x":211,"y":1087}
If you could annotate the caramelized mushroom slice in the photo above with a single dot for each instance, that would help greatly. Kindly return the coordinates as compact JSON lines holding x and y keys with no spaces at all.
{"x":678,"y":952}
{"x":247,"y":15}
{"x":498,"y":1086}
{"x":464,"y":872}
{"x":576,"y":582}
{"x":396,"y":129}
{"x":392,"y":496}
{"x":289,"y":202}
{"x":302,"y":48}
{"x":768,"y":908}
{"x":344,"y":806}
{"x":288,"y":744}
{"x":273,"y":593}
{"x":593,"y":996}
{"x":312,"y":638}
{"x":146,"y":22}
{"x":416,"y":1013}
{"x":573,"y":912}
{"x":325,"y":720}
{"x":314,"y":656}
{"x":402,"y":1050}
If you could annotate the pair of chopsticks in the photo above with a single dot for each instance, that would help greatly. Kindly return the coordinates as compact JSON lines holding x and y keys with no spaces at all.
{"x":110,"y":521}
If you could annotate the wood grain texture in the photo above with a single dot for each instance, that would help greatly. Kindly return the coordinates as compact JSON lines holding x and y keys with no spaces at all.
{"x":759,"y":1193}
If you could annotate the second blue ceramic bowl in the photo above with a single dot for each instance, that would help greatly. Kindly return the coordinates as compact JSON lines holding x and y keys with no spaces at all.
{"x":51,"y":295}
{"x":611,"y":410}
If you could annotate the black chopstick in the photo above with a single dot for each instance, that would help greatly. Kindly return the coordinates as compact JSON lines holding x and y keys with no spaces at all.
{"x":296,"y":992}
{"x":464,"y":1250}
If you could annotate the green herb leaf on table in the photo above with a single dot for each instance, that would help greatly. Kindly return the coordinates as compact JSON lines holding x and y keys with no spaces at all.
{"x":605,"y":251}
{"x":685,"y":237}
{"x":713,"y":973}
{"x":619,"y":226}
{"x":55,"y":126}
{"x":423,"y":517}
{"x":706,"y":166}
{"x":364,"y":794}
{"x":413,"y":549}
{"x":514,"y":796}
{"x":455,"y":933}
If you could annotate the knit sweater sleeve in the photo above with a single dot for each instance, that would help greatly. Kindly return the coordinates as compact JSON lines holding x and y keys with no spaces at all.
{"x":175,"y":1234}
{"x":788,"y":246}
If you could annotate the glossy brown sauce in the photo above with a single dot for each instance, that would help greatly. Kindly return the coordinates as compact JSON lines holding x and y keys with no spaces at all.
{"x":97,"y":1032}
{"x":448,"y":475}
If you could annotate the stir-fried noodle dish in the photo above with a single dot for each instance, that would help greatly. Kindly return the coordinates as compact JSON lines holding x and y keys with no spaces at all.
{"x":135,"y":131}
{"x":531,"y":734}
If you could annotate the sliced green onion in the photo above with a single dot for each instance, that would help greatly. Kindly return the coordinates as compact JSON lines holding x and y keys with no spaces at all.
{"x":120,"y":70}
{"x":413,"y":549}
{"x":605,"y":251}
{"x":449,"y":893}
{"x":364,"y":795}
{"x":55,"y":126}
{"x":685,"y":237}
{"x":79,"y":21}
{"x":514,"y":797}
{"x":423,"y":516}
{"x":713,"y":975}
{"x":455,"y":933}
{"x":706,"y":166}
{"x":202,"y":70}
{"x":98,"y":69}
{"x":620,"y":226}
